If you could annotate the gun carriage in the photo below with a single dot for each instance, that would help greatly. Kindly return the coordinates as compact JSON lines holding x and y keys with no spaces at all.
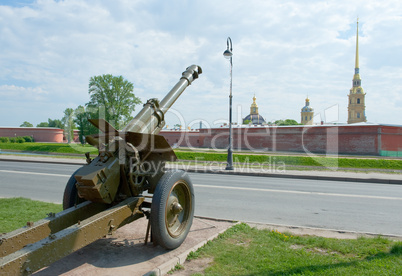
{"x":112,"y":190}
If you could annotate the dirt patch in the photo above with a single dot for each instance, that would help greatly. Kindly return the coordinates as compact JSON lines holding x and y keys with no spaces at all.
{"x":193,"y":266}
{"x":240,"y":242}
{"x":316,"y":250}
{"x":296,"y":246}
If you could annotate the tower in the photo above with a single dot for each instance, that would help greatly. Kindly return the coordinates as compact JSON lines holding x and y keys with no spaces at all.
{"x":254,"y":118}
{"x":307,"y":114}
{"x":254,"y":107}
{"x":356,"y":106}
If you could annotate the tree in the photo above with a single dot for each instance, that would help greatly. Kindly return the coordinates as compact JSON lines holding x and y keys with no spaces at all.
{"x":287,"y":122}
{"x":55,"y":123}
{"x":26,"y":124}
{"x":114,"y":95}
{"x":68,"y":124}
{"x":43,"y":124}
{"x":51,"y":123}
{"x":84,"y":126}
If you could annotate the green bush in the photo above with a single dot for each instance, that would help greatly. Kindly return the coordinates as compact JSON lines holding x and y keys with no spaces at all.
{"x":28,"y":139}
{"x":4,"y":140}
{"x":18,"y":139}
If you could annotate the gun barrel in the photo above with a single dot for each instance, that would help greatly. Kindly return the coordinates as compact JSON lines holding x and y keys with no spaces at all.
{"x":150,"y":118}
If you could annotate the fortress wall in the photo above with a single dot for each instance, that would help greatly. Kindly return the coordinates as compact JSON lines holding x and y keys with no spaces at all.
{"x":40,"y":134}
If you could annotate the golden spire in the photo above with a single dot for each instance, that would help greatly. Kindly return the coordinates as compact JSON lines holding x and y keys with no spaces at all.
{"x":357,"y":47}
{"x":356,"y":77}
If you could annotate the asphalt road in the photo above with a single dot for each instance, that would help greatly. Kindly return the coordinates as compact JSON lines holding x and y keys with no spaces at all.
{"x":350,"y":206}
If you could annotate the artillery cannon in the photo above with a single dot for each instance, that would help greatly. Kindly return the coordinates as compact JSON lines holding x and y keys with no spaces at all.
{"x":109,"y":192}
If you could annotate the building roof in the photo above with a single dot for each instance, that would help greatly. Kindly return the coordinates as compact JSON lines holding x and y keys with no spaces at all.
{"x":255,"y":119}
{"x":307,"y":107}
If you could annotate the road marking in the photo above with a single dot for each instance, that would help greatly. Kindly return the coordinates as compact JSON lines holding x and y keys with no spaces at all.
{"x":36,"y":173}
{"x":295,"y":192}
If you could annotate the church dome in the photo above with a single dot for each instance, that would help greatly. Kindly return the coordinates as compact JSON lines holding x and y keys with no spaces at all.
{"x":254,"y":119}
{"x":307,"y":107}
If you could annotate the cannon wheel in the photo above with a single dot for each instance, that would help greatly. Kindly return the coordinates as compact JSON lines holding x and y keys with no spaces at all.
{"x":70,"y":197}
{"x":172,"y":209}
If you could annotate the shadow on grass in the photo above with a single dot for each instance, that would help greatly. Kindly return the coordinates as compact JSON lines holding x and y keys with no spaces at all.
{"x":395,"y":251}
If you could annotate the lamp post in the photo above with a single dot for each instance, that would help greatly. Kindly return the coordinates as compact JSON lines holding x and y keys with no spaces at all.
{"x":228,"y":54}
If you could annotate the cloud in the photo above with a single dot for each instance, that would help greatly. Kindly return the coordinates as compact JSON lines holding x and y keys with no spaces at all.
{"x":27,"y":94}
{"x":283,"y":51}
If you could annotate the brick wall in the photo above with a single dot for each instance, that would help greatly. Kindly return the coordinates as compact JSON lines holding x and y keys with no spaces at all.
{"x":344,"y":139}
{"x":40,"y":134}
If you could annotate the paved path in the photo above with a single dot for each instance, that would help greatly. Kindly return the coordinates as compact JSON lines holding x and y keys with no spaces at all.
{"x":124,"y":253}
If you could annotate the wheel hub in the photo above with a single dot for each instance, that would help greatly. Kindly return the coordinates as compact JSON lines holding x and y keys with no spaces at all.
{"x":176,"y":208}
{"x":177,"y":211}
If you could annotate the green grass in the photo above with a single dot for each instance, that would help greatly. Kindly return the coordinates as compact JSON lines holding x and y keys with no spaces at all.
{"x":16,"y":212}
{"x":243,"y":250}
{"x":177,"y":267}
{"x":49,"y":148}
{"x":360,"y":163}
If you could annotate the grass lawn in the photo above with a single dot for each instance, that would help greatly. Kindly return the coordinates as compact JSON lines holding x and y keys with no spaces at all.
{"x":49,"y":148}
{"x":243,"y":250}
{"x":16,"y":212}
{"x":370,"y":163}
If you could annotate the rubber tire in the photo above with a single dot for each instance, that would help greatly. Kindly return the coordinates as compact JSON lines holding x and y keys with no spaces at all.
{"x":160,"y":233}
{"x":70,"y":196}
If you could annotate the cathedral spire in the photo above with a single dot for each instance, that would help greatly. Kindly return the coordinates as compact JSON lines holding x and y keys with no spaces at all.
{"x":357,"y":48}
{"x":356,"y":76}
{"x":356,"y":107}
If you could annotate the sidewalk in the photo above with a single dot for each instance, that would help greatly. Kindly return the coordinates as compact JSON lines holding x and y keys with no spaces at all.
{"x":336,"y":175}
{"x":124,"y":252}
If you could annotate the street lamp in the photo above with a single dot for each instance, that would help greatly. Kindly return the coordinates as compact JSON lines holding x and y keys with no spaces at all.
{"x":228,"y":54}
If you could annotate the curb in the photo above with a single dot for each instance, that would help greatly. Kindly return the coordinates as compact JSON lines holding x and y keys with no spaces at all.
{"x":323,"y":232}
{"x":313,"y":177}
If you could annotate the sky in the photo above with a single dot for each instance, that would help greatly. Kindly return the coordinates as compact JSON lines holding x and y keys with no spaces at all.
{"x":283,"y":52}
